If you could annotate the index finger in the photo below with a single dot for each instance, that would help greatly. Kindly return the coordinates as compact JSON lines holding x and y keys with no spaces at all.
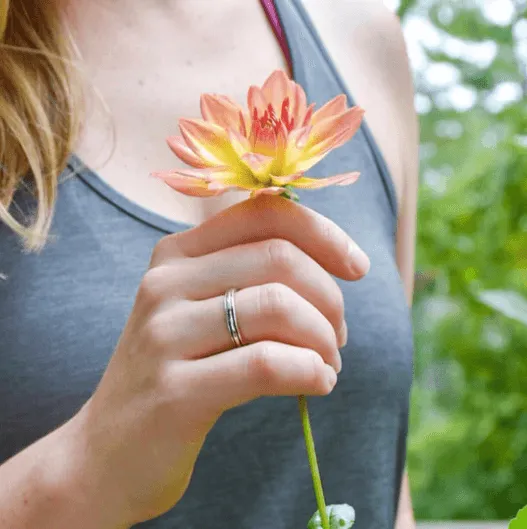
{"x":269,"y":217}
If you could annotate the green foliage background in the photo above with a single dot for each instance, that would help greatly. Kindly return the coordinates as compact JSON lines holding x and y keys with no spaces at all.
{"x":468,"y":440}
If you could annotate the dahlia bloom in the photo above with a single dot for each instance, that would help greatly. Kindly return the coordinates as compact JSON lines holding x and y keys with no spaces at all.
{"x":265,"y":149}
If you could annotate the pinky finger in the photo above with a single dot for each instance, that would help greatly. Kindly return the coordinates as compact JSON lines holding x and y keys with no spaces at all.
{"x":264,"y":368}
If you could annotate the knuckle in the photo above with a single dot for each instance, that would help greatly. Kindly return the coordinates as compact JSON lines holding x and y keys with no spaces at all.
{"x":165,"y":247}
{"x":275,"y":301}
{"x":281,"y":255}
{"x":173,"y":386}
{"x":160,"y":249}
{"x":152,"y":286}
{"x":262,"y":367}
{"x":315,"y":371}
{"x":176,"y":384}
{"x":157,"y":333}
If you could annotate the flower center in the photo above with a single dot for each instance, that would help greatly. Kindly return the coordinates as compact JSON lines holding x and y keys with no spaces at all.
{"x":269,"y":119}
{"x":269,"y":132}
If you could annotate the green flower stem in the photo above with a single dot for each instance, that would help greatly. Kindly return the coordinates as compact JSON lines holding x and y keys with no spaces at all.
{"x":312,"y":457}
{"x":308,"y":436}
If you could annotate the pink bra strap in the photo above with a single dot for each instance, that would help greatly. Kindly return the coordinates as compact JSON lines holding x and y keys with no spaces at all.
{"x":274,"y":20}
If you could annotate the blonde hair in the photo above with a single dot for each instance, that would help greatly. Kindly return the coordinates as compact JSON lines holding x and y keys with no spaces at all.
{"x":40,"y":109}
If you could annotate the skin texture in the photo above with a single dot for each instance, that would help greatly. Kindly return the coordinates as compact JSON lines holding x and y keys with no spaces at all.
{"x":137,"y":57}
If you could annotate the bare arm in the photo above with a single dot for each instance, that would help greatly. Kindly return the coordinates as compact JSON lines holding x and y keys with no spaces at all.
{"x":44,"y":486}
{"x":406,"y":230}
{"x":405,"y":514}
{"x":406,"y":235}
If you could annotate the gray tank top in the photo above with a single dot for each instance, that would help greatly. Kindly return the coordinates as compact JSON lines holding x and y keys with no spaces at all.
{"x":62,"y":311}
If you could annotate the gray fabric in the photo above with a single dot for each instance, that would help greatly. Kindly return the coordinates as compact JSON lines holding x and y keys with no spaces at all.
{"x":61,"y":313}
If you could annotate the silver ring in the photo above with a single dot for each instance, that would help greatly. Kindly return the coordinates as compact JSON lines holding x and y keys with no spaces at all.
{"x":230,"y":317}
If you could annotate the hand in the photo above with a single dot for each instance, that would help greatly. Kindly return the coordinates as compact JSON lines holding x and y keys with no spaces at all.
{"x":175,"y":371}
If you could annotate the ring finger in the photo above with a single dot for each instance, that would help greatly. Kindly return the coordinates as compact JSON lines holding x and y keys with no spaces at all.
{"x":272,"y":311}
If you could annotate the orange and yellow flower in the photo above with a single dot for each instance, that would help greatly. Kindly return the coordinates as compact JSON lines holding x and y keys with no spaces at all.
{"x":266,"y":149}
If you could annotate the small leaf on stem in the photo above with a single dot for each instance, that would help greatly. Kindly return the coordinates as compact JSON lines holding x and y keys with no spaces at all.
{"x":340,"y":517}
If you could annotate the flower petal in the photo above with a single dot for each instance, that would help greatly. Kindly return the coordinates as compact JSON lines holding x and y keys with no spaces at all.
{"x":244,"y":121}
{"x":281,"y":151}
{"x":239,"y":143}
{"x":276,"y":88}
{"x":187,"y":184}
{"x":334,"y":131}
{"x":284,"y":180}
{"x":309,"y":113}
{"x":259,"y":164}
{"x":299,"y":137}
{"x":294,"y":152}
{"x":220,"y":185}
{"x":208,"y":141}
{"x":317,"y":183}
{"x":271,"y":190}
{"x":256,"y":101}
{"x":202,"y":175}
{"x":298,"y":105}
{"x":242,"y":178}
{"x":221,"y":110}
{"x":302,"y":159}
{"x":263,"y":139}
{"x":336,"y":106}
{"x":301,"y":163}
{"x":183,"y":152}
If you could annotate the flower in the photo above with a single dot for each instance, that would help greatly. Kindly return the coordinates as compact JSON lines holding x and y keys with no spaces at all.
{"x":265,"y":150}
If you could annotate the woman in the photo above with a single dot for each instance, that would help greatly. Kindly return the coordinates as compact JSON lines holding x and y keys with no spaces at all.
{"x":116,"y":360}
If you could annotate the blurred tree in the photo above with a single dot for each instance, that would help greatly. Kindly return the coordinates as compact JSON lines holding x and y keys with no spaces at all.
{"x":468,"y":437}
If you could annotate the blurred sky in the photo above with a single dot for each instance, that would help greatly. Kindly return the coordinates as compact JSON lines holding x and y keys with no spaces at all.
{"x":420,"y":33}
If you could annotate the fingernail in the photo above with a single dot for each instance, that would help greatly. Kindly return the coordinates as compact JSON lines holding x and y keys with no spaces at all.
{"x":332,"y":376}
{"x":359,"y":261}
{"x":343,"y":335}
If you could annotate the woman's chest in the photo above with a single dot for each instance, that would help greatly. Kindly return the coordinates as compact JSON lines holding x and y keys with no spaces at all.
{"x":146,"y":99}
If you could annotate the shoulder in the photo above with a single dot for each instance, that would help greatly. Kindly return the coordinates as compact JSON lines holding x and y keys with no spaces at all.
{"x":365,"y":39}
{"x":363,"y":21}
{"x":355,"y":21}
{"x":370,"y":28}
